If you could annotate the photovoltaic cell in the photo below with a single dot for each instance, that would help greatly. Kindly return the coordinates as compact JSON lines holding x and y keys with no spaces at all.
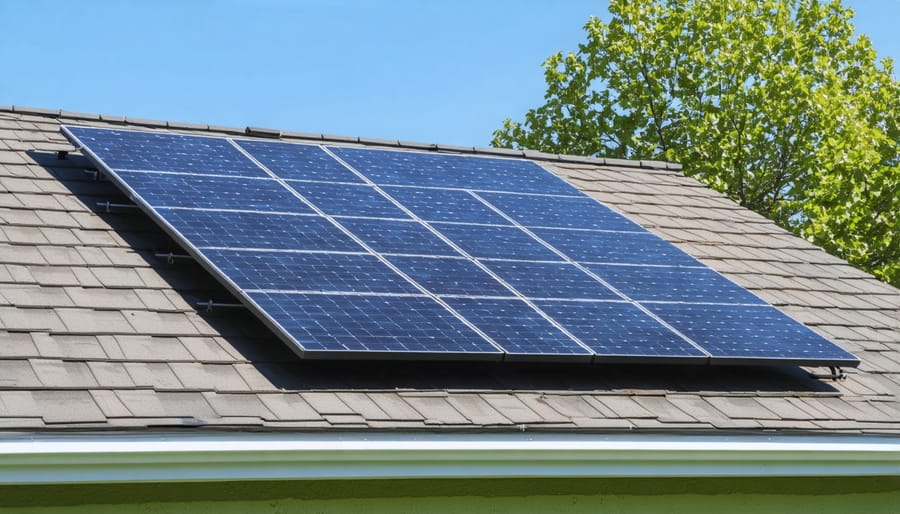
{"x":443,"y":276}
{"x":564,"y":212}
{"x":159,"y":151}
{"x":347,"y":323}
{"x":445,"y":205}
{"x":650,"y":284}
{"x":347,"y":200}
{"x":615,"y":247}
{"x":298,"y":161}
{"x":618,"y":329}
{"x":258,"y":230}
{"x":320,"y":272}
{"x":389,"y":236}
{"x":313,"y":279}
{"x":213,"y":192}
{"x":496,"y":242}
{"x":735,"y":332}
{"x":550,"y":280}
{"x":388,"y":167}
{"x":517,"y":328}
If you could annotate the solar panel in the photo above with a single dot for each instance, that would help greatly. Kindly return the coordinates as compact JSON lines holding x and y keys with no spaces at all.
{"x":551,"y":280}
{"x":449,"y":276}
{"x":349,"y":252}
{"x":309,"y":272}
{"x":213,"y":192}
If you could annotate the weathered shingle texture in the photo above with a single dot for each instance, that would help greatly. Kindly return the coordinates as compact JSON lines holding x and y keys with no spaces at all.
{"x":97,"y":332}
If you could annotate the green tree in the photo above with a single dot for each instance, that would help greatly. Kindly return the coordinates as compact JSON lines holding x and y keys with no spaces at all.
{"x":774,"y":102}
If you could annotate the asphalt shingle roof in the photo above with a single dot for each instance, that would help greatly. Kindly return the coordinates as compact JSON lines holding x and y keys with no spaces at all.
{"x":97,"y":332}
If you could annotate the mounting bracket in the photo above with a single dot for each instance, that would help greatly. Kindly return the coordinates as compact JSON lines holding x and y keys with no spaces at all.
{"x":836,"y":374}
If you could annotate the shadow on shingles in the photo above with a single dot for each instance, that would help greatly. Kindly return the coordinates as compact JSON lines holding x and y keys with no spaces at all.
{"x":285,"y":370}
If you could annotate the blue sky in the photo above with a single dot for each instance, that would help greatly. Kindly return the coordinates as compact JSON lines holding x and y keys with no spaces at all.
{"x":445,"y":72}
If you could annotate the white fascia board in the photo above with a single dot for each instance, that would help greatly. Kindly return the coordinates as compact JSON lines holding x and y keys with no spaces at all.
{"x":180,"y":457}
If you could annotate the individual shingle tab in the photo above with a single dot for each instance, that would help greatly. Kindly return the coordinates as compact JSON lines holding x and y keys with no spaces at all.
{"x":68,"y":407}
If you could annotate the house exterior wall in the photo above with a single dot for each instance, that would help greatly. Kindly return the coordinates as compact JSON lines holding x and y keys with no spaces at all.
{"x":744,"y":495}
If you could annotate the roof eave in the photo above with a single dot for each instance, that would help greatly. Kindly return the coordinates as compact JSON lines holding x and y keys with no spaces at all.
{"x":178,"y":457}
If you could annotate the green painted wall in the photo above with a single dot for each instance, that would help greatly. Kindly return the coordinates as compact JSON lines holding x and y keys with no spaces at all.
{"x":620,"y":496}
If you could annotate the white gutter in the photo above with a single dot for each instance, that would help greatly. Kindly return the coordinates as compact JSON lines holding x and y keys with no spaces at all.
{"x":176,"y":457}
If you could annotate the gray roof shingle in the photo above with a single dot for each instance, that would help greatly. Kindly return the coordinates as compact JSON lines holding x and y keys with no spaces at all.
{"x":97,"y":332}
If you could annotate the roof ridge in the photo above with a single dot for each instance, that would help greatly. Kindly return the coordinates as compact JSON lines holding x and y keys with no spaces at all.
{"x":311,"y":136}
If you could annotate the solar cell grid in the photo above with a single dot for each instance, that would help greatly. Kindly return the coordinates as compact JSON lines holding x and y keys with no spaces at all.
{"x":648,"y":284}
{"x":389,"y":167}
{"x":551,"y":280}
{"x":518,"y":328}
{"x":445,"y":205}
{"x":258,"y":230}
{"x":211,"y":192}
{"x":348,"y":200}
{"x":323,"y":272}
{"x":619,"y":329}
{"x":448,"y":276}
{"x":615,"y":247}
{"x":141,"y":150}
{"x":390,"y":236}
{"x":298,"y":161}
{"x":736,"y":332}
{"x":353,"y":282}
{"x":496,"y":242}
{"x":342,"y":323}
{"x":564,"y":212}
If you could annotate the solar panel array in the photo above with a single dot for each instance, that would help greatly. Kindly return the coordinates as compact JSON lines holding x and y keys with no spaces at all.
{"x":368,"y":253}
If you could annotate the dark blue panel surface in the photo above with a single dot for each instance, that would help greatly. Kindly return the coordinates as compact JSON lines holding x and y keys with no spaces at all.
{"x":202,"y":191}
{"x":550,"y":280}
{"x":158,"y":151}
{"x":445,"y":205}
{"x":450,"y":276}
{"x":386,"y":236}
{"x":740,"y":332}
{"x":643,"y":283}
{"x":347,"y":200}
{"x":615,"y":247}
{"x":272,"y":246}
{"x":442,"y":170}
{"x":515,"y":326}
{"x":342,"y":323}
{"x":298,"y":161}
{"x":293,"y":271}
{"x":496,"y":242}
{"x":618,"y":329}
{"x":258,"y":230}
{"x":563,"y":212}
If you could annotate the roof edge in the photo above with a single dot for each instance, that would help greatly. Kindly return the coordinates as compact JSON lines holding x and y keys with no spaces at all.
{"x":95,"y":458}
{"x":331,"y":138}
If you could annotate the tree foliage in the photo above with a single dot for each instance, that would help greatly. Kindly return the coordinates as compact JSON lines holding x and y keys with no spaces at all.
{"x":776,"y":103}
